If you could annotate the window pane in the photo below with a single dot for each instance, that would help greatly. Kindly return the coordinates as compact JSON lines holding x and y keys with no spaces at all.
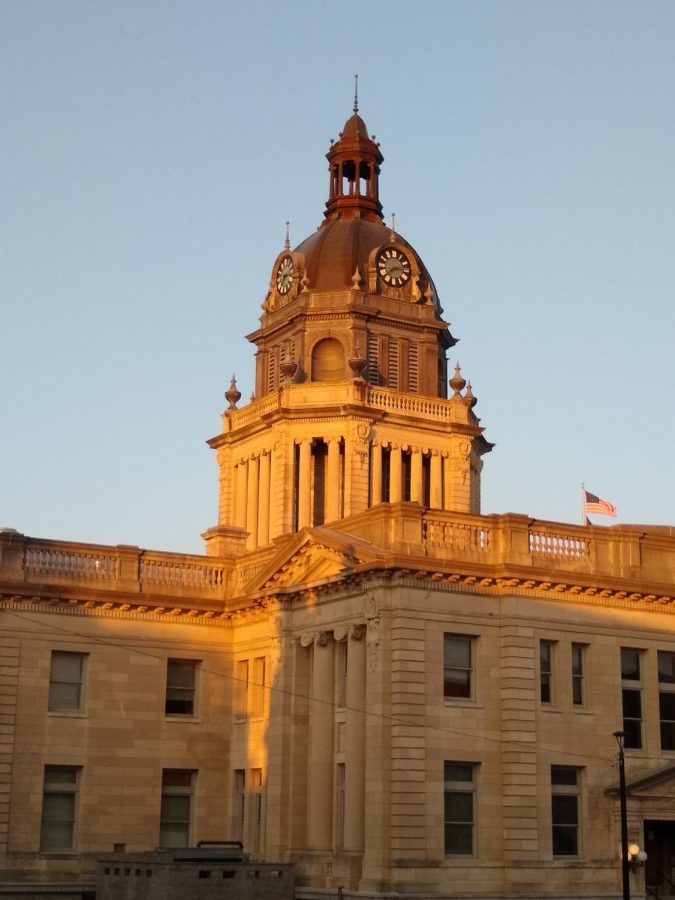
{"x":667,"y":705}
{"x":668,"y":735}
{"x":175,"y":809}
{"x":458,"y":806}
{"x":457,"y":772}
{"x":565,"y":841}
{"x":179,"y":702}
{"x":458,"y":839}
{"x":564,"y":809}
{"x":457,"y":652}
{"x":633,"y":730}
{"x":64,"y":696}
{"x":60,"y":775}
{"x":564,"y":775}
{"x":630,"y":664}
{"x":66,"y":666}
{"x":56,"y":836}
{"x":666,"y":663}
{"x":545,"y":688}
{"x":176,"y":778}
{"x":171,"y":835}
{"x":181,"y":674}
{"x":632,"y":704}
{"x":456,"y":683}
{"x":577,"y":659}
{"x":59,"y":807}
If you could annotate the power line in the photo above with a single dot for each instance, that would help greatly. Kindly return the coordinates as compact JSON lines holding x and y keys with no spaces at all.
{"x":392,"y":718}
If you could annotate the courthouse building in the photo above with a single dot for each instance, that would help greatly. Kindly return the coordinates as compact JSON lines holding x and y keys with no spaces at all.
{"x":363,"y":675}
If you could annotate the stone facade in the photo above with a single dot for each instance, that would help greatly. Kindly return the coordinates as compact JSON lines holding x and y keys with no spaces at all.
{"x":363,"y":676}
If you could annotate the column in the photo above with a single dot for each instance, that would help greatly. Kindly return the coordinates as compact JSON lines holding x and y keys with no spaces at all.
{"x":304,"y":485}
{"x":264,"y":501}
{"x":376,"y":474}
{"x":447,"y":482}
{"x":322,"y":714}
{"x":252,"y":503}
{"x":435,"y":475}
{"x":355,"y":767}
{"x":240,"y":499}
{"x":416,"y":490}
{"x":333,"y":485}
{"x":395,"y":474}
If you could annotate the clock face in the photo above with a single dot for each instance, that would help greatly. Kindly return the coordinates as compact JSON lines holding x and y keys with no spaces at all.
{"x":393,"y":267}
{"x":285,"y":275}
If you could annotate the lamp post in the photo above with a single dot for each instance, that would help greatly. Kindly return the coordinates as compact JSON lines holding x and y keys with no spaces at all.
{"x":620,"y":736}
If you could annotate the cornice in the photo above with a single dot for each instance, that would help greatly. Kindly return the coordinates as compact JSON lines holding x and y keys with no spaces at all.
{"x":571,"y":589}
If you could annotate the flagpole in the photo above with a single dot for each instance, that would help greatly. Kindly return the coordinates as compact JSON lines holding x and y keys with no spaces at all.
{"x":583,"y":505}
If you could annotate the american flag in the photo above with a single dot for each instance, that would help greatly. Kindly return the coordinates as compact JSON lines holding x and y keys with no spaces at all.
{"x":595,"y":504}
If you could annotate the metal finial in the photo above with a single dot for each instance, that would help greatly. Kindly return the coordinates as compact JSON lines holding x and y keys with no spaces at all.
{"x":392,"y":232}
{"x":356,"y":94}
{"x":287,"y":242}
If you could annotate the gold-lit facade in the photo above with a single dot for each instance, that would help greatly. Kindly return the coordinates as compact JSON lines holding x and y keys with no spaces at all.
{"x":362,"y":675}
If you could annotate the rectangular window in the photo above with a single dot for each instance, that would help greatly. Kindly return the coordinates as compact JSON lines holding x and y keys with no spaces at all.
{"x":578,"y":651}
{"x":565,"y":810}
{"x":546,"y":671}
{"x":340,"y":805}
{"x":59,"y":808}
{"x":457,"y":666}
{"x":176,"y":807}
{"x":256,"y":781}
{"x":239,"y":803}
{"x":181,"y":687}
{"x":341,"y":680}
{"x":631,"y":697}
{"x":66,"y":681}
{"x":459,"y":788}
{"x":258,"y":687}
{"x":666,"y":666}
{"x":241,"y":689}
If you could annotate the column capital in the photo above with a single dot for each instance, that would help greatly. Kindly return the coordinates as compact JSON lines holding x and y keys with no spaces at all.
{"x":358,"y":631}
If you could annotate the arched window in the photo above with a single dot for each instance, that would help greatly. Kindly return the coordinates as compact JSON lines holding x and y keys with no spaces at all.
{"x":328,"y":360}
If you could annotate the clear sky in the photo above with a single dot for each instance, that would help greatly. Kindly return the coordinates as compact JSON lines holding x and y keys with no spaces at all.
{"x":152,"y":151}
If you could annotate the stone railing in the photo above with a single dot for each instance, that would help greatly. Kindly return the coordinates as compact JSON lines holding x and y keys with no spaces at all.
{"x":33,"y":561}
{"x":558,"y":546}
{"x":77,"y":564}
{"x":456,"y":535}
{"x":395,"y":401}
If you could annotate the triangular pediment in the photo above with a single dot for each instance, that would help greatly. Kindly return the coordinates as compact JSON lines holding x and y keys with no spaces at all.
{"x":656,"y":782}
{"x":314,"y":555}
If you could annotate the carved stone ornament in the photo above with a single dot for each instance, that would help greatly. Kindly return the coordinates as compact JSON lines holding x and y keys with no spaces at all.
{"x":340,"y":633}
{"x":306,"y":640}
{"x":357,"y":632}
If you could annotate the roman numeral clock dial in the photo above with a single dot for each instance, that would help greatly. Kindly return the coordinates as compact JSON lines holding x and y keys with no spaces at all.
{"x":285,"y":275}
{"x":393,"y":267}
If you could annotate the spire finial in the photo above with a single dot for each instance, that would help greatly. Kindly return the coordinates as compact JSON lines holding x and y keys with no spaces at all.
{"x":356,"y":94}
{"x":287,"y":242}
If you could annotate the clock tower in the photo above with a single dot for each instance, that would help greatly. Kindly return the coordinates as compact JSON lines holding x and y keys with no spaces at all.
{"x":351,"y":405}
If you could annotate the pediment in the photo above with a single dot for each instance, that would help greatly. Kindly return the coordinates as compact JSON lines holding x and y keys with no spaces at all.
{"x":657,"y":783}
{"x":314,"y":555}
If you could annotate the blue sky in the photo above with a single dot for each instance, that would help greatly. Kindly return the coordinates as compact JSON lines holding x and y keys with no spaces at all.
{"x":152,"y":152}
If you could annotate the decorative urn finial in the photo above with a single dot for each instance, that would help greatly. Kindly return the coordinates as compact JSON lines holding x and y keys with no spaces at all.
{"x":457,"y":383}
{"x":232,"y":395}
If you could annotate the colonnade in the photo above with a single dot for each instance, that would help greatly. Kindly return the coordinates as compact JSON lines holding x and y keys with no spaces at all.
{"x":429,"y":481}
{"x":253,"y":478}
{"x":337,"y":739}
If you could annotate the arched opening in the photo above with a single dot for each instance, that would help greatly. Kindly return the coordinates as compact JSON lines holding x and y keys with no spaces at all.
{"x":328,"y":360}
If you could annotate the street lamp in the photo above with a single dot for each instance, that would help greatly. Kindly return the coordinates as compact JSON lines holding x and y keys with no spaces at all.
{"x":625,"y":861}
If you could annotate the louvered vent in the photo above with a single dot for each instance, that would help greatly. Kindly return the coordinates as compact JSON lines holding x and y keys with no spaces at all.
{"x":413,"y":369}
{"x":394,"y":381}
{"x":373,"y":369}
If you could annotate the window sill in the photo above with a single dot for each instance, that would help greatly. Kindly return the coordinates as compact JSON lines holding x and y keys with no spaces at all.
{"x":462,"y":701}
{"x":176,"y":717}
{"x":59,"y":854}
{"x":67,"y":714}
